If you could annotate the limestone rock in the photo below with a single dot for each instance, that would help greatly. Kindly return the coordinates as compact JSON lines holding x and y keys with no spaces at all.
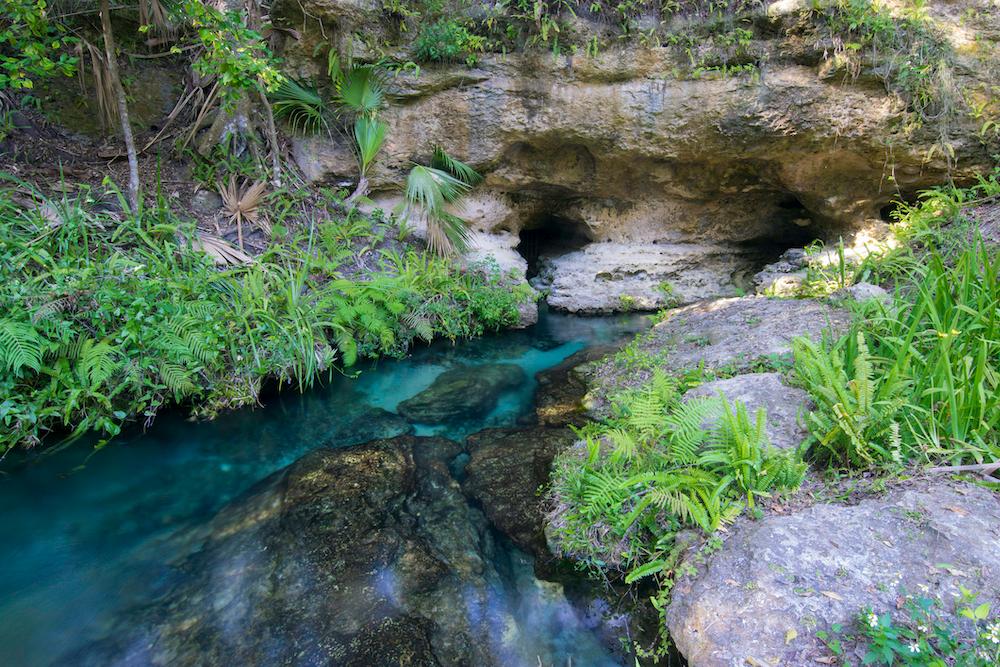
{"x":206,"y":202}
{"x":784,"y":405}
{"x":506,"y":468}
{"x":721,"y":333}
{"x":607,"y":277}
{"x":806,"y":571}
{"x":372,"y":424}
{"x":862,"y":293}
{"x":462,"y":393}
{"x":356,"y":556}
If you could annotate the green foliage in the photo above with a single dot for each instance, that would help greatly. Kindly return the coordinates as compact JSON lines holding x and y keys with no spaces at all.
{"x":301,"y":107}
{"x":925,"y":380}
{"x":360,"y":89}
{"x":448,"y":40}
{"x":923,"y":634}
{"x":910,"y":58}
{"x":857,"y":420}
{"x":108,"y":320}
{"x":369,"y":135}
{"x":431,"y":190}
{"x":31,"y":46}
{"x":231,"y":52}
{"x":654,"y":468}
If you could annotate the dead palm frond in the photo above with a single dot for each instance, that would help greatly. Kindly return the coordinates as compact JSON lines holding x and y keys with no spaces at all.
{"x":221,"y":251}
{"x":104,"y":91}
{"x":243,"y":203}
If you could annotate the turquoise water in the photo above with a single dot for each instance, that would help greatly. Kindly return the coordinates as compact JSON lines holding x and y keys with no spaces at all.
{"x":87,"y":534}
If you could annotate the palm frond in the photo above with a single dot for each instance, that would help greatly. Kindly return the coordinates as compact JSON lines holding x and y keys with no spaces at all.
{"x":428,"y":190}
{"x":360,"y":89}
{"x":301,"y":107}
{"x":460,"y":170}
{"x":369,"y":133}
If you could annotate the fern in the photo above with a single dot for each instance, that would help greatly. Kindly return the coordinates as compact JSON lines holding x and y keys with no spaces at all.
{"x":20,"y":347}
{"x":98,"y":362}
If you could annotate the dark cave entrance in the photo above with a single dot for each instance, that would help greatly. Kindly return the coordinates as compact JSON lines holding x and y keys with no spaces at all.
{"x":549,"y":236}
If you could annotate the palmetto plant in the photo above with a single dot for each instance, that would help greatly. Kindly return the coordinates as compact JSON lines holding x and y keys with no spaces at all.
{"x":243,"y":203}
{"x":431,"y":191}
{"x":301,"y":107}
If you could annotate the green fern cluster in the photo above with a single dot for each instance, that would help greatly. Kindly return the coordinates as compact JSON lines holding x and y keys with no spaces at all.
{"x":659,"y":465}
{"x":858,"y":419}
{"x":106,"y":320}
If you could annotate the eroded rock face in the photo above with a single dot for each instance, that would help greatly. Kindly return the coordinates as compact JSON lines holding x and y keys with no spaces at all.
{"x":785,"y":406}
{"x":462,"y":393}
{"x":822,"y":565}
{"x":620,"y":276}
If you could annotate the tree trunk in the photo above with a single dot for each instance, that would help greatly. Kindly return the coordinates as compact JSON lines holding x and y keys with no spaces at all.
{"x":116,"y":85}
{"x":272,"y":139}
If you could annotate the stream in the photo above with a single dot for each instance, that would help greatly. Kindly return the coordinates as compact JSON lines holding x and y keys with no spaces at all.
{"x":87,"y":535}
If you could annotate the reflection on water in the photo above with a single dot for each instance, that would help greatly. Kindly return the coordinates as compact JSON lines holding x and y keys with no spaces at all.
{"x":86,"y":535}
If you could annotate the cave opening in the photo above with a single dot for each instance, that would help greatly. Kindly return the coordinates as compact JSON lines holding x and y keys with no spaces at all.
{"x":549,"y":236}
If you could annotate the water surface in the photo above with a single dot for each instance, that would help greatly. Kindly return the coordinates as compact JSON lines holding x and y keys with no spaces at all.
{"x":87,"y":534}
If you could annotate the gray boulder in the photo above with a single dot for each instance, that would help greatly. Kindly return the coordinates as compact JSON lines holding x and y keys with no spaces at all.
{"x":461,"y":393}
{"x":724,"y":333}
{"x":761,"y":599}
{"x":784,"y":405}
{"x":862,"y":293}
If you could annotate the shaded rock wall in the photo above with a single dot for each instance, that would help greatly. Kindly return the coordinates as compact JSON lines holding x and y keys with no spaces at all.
{"x":629,"y":152}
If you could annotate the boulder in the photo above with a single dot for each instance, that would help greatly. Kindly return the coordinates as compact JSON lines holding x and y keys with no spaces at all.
{"x":862,"y":293}
{"x":355,"y":556}
{"x":722,"y":334}
{"x":371,"y":424}
{"x":464,"y":392}
{"x":777,"y":581}
{"x":606,"y":277}
{"x":785,"y":405}
{"x":506,"y":469}
{"x":559,"y":397}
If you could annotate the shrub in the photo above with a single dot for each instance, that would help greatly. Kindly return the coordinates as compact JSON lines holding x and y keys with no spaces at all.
{"x":106,"y":320}
{"x":448,"y":40}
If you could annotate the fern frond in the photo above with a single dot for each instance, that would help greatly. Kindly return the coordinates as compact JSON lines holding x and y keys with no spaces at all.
{"x":20,"y":347}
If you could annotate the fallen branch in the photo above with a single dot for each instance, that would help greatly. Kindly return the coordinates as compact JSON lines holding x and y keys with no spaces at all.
{"x":986,"y":469}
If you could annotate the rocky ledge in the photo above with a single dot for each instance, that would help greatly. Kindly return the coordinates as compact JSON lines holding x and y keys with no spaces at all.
{"x":761,"y":599}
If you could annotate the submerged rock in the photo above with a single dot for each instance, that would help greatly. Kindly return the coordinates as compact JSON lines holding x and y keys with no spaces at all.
{"x":506,"y":469}
{"x":785,"y":406}
{"x":358,"y":556}
{"x":776,"y":582}
{"x":371,"y":424}
{"x":462,"y":393}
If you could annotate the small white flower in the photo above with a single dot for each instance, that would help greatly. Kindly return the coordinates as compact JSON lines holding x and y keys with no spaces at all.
{"x":872,"y":620}
{"x":993,"y":632}
{"x":914,"y":648}
{"x":922,"y":628}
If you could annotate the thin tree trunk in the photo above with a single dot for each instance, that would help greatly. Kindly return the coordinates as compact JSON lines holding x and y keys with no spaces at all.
{"x":116,"y":84}
{"x":272,"y":139}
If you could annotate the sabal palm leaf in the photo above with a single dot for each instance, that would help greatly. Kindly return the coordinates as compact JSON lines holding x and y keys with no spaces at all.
{"x":369,"y":133}
{"x":360,"y":90}
{"x":300,"y":106}
{"x":460,"y":170}
{"x":428,"y":190}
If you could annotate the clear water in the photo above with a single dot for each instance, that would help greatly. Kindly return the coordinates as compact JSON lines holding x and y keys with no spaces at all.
{"x":85,"y":535}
